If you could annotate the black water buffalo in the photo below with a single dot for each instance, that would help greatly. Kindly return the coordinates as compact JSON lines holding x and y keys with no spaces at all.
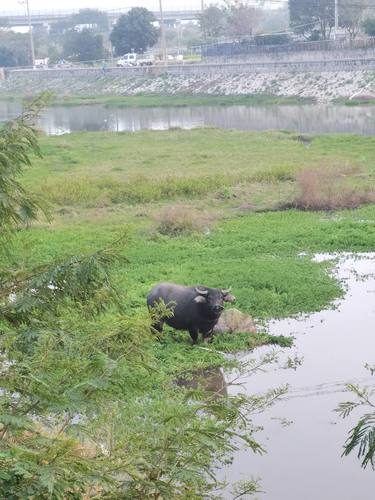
{"x":195,"y":309}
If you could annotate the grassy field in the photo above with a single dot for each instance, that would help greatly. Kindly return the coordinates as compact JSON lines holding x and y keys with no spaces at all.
{"x":99,"y":170}
{"x":203,"y":206}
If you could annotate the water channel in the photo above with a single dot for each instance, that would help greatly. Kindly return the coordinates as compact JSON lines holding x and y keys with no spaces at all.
{"x":314,"y":118}
{"x":303,"y":459}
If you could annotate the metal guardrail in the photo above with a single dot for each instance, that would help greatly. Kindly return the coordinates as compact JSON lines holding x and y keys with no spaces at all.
{"x":214,"y":68}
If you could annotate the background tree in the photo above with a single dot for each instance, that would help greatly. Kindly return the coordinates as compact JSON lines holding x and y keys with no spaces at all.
{"x":18,"y":44}
{"x":213,"y":21}
{"x":369,"y":26}
{"x":312,"y":17}
{"x":7,"y":58}
{"x":352,"y":15}
{"x":60,"y":34}
{"x":274,"y":20}
{"x":241,"y":18}
{"x":83,"y":46}
{"x":97,"y":19}
{"x":134,"y":31}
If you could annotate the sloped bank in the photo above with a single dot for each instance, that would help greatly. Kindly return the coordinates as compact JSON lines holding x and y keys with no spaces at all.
{"x":322,"y":86}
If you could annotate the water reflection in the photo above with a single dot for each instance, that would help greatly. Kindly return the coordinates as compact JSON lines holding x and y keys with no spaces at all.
{"x":304,"y":458}
{"x":320,"y":118}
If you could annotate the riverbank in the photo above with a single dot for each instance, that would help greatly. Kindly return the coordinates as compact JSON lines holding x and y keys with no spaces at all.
{"x":319,"y":86}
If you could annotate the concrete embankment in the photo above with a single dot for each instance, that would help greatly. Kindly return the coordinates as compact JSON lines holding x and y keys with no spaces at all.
{"x":324,"y":85}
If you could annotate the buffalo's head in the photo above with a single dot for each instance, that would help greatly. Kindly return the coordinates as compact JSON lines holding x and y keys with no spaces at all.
{"x":213,"y":299}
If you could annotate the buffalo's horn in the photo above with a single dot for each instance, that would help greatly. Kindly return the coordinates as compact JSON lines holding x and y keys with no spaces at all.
{"x":201,"y":292}
{"x":225,"y":292}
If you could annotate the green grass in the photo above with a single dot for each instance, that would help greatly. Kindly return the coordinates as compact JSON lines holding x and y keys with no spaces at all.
{"x":103,"y":169}
{"x":355,"y":102}
{"x":181,"y":100}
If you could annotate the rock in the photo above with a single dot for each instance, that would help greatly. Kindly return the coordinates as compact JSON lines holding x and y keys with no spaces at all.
{"x":234,"y":321}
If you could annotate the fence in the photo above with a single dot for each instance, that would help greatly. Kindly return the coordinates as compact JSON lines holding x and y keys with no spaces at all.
{"x":248,"y":47}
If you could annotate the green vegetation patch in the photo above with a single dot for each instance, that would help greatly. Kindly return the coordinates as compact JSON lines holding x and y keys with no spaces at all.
{"x":356,"y":102}
{"x":103,"y":168}
{"x":177,"y":100}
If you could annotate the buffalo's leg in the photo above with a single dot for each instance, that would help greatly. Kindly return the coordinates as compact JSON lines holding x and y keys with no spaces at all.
{"x":158,"y":326}
{"x":208,"y":337}
{"x":194,"y":336}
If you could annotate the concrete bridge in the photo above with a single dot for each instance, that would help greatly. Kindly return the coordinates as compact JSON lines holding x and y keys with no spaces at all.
{"x":47,"y":17}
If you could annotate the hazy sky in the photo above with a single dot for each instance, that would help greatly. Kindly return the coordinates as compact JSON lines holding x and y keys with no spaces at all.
{"x":11,"y":5}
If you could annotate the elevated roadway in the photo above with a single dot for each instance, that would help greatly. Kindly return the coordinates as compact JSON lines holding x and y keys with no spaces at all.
{"x":46,"y":17}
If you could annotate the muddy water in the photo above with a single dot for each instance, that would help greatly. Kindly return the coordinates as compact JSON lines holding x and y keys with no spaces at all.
{"x":302,"y":434}
{"x":319,"y":118}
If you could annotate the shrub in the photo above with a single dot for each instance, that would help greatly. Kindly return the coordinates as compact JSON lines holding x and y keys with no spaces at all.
{"x":332,"y":188}
{"x":181,"y":220}
{"x":276,"y":39}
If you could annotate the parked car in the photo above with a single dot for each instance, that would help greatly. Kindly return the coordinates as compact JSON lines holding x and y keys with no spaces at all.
{"x":133,"y":59}
{"x":41,"y":63}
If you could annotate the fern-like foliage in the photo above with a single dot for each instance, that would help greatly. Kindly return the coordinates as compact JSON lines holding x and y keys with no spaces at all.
{"x":362,"y":435}
{"x":83,"y":280}
{"x":18,"y":138}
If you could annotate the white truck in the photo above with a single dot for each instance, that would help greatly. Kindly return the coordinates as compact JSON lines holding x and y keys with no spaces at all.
{"x":133,"y":59}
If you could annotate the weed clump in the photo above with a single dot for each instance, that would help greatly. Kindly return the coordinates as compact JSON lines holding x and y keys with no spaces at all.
{"x":332,"y":188}
{"x":180,"y":220}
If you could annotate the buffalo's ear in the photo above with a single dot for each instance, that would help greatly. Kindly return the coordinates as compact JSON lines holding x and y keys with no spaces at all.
{"x":200,"y":300}
{"x":229,"y":298}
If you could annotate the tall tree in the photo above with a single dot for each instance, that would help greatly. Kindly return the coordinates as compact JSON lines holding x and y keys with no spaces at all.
{"x":134,"y":31}
{"x":18,"y":44}
{"x":83,"y":46}
{"x":351,"y":15}
{"x":93,"y":17}
{"x":309,"y":17}
{"x":212,"y":21}
{"x":241,"y":18}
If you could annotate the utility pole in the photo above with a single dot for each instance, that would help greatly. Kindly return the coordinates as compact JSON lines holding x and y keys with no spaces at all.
{"x":32,"y":49}
{"x":336,"y":18}
{"x":162,"y":29}
{"x":203,"y":23}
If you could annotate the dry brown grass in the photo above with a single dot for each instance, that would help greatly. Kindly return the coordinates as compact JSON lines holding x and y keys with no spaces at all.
{"x":331,"y":188}
{"x":177,"y":220}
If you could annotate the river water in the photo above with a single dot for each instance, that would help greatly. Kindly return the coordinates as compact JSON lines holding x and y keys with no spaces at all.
{"x":303,"y":459}
{"x":314,"y":118}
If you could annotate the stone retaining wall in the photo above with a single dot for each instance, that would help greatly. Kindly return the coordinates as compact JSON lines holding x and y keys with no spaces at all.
{"x":354,"y":64}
